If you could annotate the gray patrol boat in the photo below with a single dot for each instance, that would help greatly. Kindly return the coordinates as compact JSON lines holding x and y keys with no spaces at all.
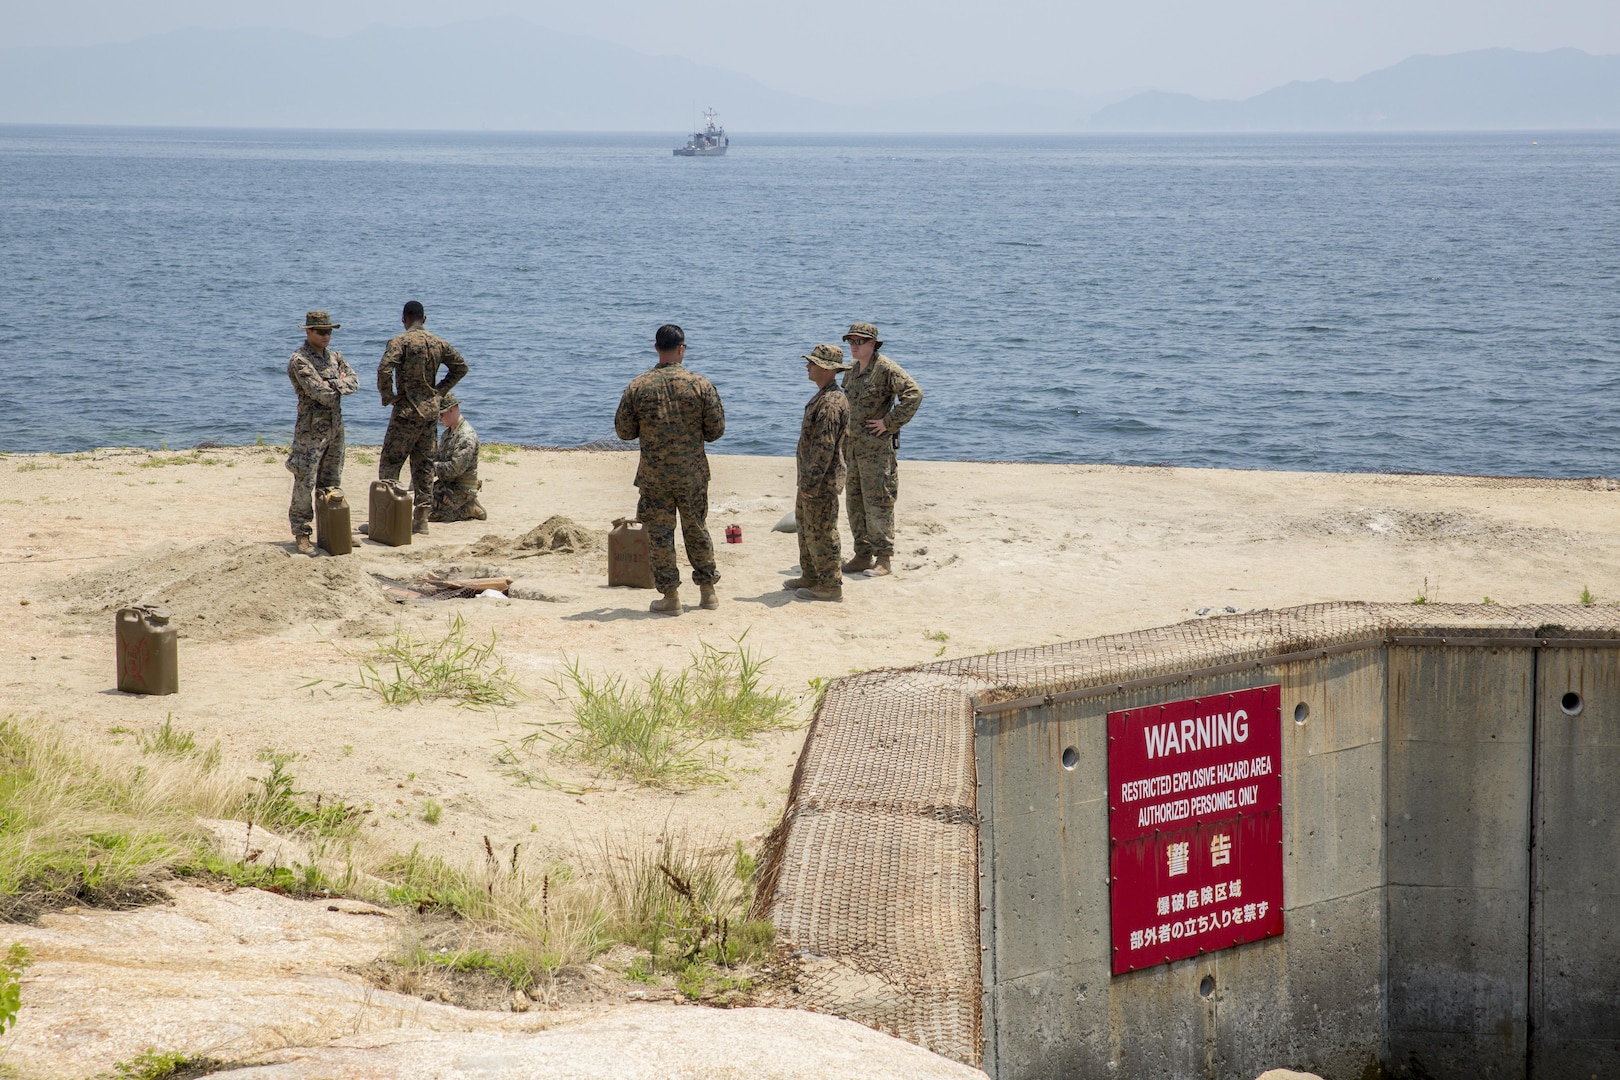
{"x":710,"y":142}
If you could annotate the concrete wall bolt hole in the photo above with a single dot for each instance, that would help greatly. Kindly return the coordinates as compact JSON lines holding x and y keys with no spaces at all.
{"x":1071,"y":757}
{"x":1571,"y":703}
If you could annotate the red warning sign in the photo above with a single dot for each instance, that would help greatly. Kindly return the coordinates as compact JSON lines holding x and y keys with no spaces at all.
{"x":1195,"y":826}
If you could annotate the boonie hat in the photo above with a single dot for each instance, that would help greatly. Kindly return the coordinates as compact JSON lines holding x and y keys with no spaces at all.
{"x":863,"y":329}
{"x":447,"y":401}
{"x":827,"y":356}
{"x":319,"y":320}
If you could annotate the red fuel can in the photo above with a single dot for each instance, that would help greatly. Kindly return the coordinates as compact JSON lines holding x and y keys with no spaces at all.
{"x":733,"y":534}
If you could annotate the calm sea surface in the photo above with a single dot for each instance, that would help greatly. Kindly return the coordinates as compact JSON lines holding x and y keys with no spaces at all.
{"x":1435,"y":303}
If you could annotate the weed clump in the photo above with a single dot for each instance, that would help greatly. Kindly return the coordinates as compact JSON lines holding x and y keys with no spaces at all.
{"x":682,"y":904}
{"x":410,"y":670}
{"x":153,"y":1064}
{"x":277,"y":804}
{"x":167,"y":740}
{"x":541,"y":917}
{"x":655,"y":733}
{"x":686,"y":905}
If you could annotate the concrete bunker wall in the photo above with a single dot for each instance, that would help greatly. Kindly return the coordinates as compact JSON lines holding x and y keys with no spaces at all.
{"x":1450,"y":876}
{"x":1451,"y":862}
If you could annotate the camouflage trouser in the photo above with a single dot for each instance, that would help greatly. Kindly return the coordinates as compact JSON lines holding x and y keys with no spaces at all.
{"x":451,"y":502}
{"x":657,"y":508}
{"x":316,"y":462}
{"x":819,"y":555}
{"x":410,"y":436}
{"x":870,"y":493}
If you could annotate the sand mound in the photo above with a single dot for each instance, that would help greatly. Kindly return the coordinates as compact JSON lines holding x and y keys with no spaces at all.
{"x":557,"y":534}
{"x":225,"y":590}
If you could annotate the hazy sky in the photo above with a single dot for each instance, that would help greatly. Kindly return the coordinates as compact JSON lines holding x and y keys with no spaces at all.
{"x":860,"y":50}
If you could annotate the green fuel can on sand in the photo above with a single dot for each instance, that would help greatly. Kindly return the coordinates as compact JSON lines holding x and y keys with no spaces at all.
{"x":148,"y":661}
{"x":332,"y":530}
{"x":390,"y":514}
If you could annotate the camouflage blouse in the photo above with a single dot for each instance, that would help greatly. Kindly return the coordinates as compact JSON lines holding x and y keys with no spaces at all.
{"x":673,"y":412}
{"x":455,"y":461}
{"x":409,"y":366}
{"x":883,"y":392}
{"x":821,"y":442}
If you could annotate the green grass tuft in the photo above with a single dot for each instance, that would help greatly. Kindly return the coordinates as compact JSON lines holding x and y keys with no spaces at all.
{"x":280,"y":806}
{"x":410,"y":670}
{"x":152,"y":1064}
{"x":167,"y":740}
{"x":658,"y":733}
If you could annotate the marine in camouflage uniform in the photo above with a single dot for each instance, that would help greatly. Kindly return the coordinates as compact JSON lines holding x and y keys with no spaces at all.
{"x":455,"y":467}
{"x":321,"y":378}
{"x":882,"y":398}
{"x":406,"y":379}
{"x":674,"y":412}
{"x":822,"y":436}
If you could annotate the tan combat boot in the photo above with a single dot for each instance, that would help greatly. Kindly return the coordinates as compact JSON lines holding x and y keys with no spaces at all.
{"x":476,"y":512}
{"x":305,"y":546}
{"x":419,"y":521}
{"x":668,"y":604}
{"x":708,"y":601}
{"x":835,"y":593}
{"x":857,"y":564}
{"x":880,"y":568}
{"x":796,"y":583}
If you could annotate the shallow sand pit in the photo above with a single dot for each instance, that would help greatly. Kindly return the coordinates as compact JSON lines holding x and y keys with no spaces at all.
{"x":226,"y":590}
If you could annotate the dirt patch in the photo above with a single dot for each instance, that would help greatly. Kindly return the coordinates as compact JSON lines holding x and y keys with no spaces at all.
{"x":1393,"y":523}
{"x":435,"y":966}
{"x":226,"y":590}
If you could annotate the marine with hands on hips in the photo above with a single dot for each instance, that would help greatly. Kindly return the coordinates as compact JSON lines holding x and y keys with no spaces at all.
{"x":882,"y":399}
{"x":408,"y":379}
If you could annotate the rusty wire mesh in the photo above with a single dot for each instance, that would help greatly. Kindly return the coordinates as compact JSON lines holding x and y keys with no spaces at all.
{"x":872,"y":876}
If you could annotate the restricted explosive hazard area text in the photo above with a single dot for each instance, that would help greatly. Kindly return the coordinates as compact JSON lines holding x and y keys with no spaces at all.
{"x":1195,"y":826}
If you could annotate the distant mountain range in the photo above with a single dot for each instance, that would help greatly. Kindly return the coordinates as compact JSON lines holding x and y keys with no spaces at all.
{"x":506,"y":74}
{"x":1492,"y":89}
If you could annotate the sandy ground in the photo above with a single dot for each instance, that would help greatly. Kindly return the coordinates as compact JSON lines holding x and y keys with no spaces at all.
{"x":990,"y":556}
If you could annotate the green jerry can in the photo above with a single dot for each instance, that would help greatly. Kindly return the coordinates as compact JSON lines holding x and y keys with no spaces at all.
{"x":629,"y":561}
{"x":147,"y":658}
{"x":390,"y":514}
{"x":332,"y":530}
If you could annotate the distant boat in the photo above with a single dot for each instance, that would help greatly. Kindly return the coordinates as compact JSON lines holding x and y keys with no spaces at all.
{"x":710,"y":142}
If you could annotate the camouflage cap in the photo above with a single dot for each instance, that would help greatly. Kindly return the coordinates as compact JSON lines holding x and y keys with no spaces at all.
{"x":863,"y":330}
{"x":447,"y":401}
{"x":827,"y":356}
{"x":319,"y":320}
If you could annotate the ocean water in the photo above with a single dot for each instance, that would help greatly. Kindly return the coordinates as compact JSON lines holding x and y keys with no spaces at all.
{"x":1445,"y":303}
